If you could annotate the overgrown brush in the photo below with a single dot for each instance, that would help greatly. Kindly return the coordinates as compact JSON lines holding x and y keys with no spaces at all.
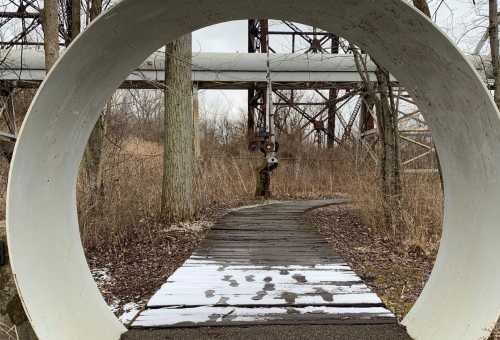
{"x":419,"y":213}
{"x":132,"y":191}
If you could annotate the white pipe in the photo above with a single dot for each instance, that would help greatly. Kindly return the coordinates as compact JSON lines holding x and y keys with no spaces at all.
{"x":28,"y":64}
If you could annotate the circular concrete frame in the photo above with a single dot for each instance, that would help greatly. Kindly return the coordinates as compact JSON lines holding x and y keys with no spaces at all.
{"x":461,"y":299}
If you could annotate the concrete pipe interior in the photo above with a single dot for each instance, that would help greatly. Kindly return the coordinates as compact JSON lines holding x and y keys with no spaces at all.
{"x":461,"y":299}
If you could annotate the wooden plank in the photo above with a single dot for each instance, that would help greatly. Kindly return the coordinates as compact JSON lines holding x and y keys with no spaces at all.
{"x":263,"y":265}
{"x":237,"y":316}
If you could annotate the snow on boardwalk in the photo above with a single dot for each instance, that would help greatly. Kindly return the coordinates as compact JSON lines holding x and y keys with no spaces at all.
{"x":264,"y":265}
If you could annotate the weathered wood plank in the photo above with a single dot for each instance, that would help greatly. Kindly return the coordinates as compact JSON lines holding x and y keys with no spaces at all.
{"x":234,"y":316}
{"x":263,"y":265}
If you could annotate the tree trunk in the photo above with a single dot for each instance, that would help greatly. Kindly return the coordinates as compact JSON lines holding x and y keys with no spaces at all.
{"x":93,"y":152}
{"x":50,"y":25}
{"x":196,"y":123}
{"x":332,"y":106}
{"x":390,"y":163}
{"x":12,"y":313}
{"x":73,"y":14}
{"x":177,"y":193}
{"x":95,"y":9}
{"x":495,"y":61}
{"x":263,"y":186}
{"x":332,"y":116}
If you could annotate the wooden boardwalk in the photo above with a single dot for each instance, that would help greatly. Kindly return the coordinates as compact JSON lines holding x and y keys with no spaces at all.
{"x":264,"y":265}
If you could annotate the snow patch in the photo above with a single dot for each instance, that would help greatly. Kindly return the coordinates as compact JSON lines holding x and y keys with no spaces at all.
{"x":196,"y":226}
{"x":130,"y":310}
{"x":255,"y":205}
{"x":101,"y":275}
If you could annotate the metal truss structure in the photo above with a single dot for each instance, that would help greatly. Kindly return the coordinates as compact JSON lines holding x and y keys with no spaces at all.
{"x":24,"y":14}
{"x":25,"y":18}
{"x":317,"y":42}
{"x":334,"y":114}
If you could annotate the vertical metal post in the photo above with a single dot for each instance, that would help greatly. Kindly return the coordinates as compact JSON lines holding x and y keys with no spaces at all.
{"x":271,"y":150}
{"x":332,"y":96}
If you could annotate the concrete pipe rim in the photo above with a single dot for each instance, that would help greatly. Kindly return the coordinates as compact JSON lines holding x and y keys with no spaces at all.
{"x":61,"y":298}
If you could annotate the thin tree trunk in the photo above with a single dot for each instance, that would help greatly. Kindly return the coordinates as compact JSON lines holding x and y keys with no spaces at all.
{"x":95,"y":9}
{"x":75,"y":24}
{"x":50,"y":25}
{"x":380,"y":96}
{"x":177,"y":193}
{"x":332,"y":117}
{"x":73,"y":20}
{"x":263,"y":183}
{"x":93,"y":153}
{"x":332,"y":106}
{"x":390,"y":165}
{"x":495,"y":61}
{"x":196,"y":123}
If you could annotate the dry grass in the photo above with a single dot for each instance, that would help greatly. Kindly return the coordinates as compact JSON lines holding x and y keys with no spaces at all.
{"x":420,"y":214}
{"x":132,"y":191}
{"x":132,"y":187}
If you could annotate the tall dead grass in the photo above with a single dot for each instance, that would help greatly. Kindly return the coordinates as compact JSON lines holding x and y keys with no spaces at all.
{"x":419,"y":214}
{"x":132,"y":191}
{"x":132,"y":187}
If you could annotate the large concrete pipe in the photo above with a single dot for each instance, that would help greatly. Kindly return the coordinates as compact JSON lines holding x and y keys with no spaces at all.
{"x":461,"y":299}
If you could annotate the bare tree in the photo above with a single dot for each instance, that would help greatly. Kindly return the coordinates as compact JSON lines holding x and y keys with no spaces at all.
{"x":387,"y":117}
{"x":93,"y":152}
{"x":95,"y":9}
{"x":379,"y":95}
{"x":73,"y":18}
{"x":50,"y":24}
{"x":177,"y":191}
{"x":332,"y":104}
{"x":196,"y":123}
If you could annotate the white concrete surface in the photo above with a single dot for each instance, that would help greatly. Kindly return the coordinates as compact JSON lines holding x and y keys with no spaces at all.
{"x":461,"y":300}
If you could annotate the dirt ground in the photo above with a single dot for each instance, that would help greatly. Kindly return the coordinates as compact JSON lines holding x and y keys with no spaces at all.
{"x":275,"y":332}
{"x":130,"y":274}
